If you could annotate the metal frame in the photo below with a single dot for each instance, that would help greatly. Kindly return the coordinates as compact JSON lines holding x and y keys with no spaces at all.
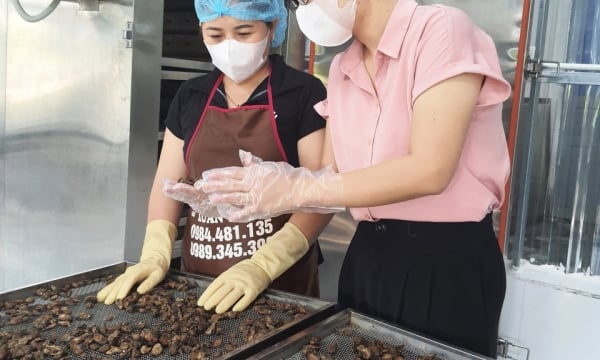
{"x":523,"y":194}
{"x":292,"y":345}
{"x":145,"y":107}
{"x":563,"y":73}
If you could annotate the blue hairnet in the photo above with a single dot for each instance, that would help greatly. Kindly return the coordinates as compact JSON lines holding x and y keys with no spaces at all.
{"x":250,"y":10}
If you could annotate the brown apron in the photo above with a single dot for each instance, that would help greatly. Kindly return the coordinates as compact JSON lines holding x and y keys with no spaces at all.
{"x":212,"y":245}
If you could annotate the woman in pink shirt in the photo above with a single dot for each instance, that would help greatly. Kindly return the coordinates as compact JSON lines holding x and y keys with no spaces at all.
{"x":416,"y":150}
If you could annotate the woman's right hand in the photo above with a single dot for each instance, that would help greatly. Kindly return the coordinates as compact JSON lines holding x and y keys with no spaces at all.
{"x":263,"y":189}
{"x":152,"y":268}
{"x":148,"y":273}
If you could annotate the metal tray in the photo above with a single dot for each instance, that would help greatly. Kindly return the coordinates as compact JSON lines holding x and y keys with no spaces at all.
{"x":316,"y":310}
{"x":369,"y":329}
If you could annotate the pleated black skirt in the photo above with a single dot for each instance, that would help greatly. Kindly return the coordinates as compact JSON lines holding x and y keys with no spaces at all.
{"x":443,"y":280}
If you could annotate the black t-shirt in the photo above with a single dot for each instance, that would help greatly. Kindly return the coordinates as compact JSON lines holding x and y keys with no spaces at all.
{"x":294,"y":95}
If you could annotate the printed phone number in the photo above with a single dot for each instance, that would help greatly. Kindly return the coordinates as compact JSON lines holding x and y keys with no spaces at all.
{"x":225,"y":251}
{"x":233,"y":232}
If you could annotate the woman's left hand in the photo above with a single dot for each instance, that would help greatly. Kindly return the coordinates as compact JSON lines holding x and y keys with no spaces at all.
{"x":193,"y":195}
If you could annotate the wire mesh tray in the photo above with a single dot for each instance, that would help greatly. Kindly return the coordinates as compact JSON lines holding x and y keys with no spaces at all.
{"x":61,"y":319}
{"x":339,"y":336}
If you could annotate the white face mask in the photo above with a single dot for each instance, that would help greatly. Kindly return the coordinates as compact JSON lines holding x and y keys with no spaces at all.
{"x":324,"y":23}
{"x":238,"y":60}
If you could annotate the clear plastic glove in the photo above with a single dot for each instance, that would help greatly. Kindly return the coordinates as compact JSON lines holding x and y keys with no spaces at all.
{"x":194,"y":196}
{"x":264,"y":189}
{"x":243,"y":282}
{"x":152,"y":268}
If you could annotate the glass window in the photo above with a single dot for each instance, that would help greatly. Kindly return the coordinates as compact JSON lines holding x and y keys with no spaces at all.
{"x":554,"y":208}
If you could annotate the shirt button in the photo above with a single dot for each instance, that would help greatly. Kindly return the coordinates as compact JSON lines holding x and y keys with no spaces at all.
{"x":370,"y":142}
{"x":380,"y":227}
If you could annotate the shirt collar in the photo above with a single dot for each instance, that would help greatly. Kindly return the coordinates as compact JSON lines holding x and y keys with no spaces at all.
{"x":398,"y":24}
{"x":390,"y":43}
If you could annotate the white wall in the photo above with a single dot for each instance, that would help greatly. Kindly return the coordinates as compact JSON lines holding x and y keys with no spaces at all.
{"x":553,"y":314}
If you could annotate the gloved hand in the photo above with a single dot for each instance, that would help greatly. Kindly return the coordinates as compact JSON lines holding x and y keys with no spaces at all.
{"x":264,"y":189}
{"x":244,"y":281}
{"x":152,"y":268}
{"x":192,"y":195}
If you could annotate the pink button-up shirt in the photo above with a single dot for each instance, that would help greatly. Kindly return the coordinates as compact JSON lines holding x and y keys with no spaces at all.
{"x":420,"y":47}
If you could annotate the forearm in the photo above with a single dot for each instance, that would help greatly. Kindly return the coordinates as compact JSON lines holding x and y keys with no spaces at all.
{"x":170,"y":166}
{"x":161,"y":207}
{"x":405,"y":178}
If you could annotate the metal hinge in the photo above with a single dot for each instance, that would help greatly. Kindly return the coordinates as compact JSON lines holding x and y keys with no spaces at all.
{"x":128,"y":35}
{"x":533,"y":67}
{"x":508,"y":350}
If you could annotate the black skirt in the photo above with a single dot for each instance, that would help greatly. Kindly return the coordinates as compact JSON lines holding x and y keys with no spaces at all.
{"x":442,"y":280}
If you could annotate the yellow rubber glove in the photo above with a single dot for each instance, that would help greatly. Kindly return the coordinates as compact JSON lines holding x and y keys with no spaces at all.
{"x":152,"y":268}
{"x":244,"y":281}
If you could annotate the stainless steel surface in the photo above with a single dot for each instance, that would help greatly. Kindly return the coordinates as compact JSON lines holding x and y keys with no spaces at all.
{"x":89,"y":5}
{"x":3,"y":56}
{"x":77,"y":136}
{"x":187,"y":64}
{"x":230,"y":328}
{"x":294,"y":46}
{"x":334,"y":241}
{"x":178,"y":75}
{"x":365,"y":328}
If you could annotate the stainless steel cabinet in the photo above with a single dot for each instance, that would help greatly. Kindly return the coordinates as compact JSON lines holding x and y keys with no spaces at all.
{"x":79,"y":102}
